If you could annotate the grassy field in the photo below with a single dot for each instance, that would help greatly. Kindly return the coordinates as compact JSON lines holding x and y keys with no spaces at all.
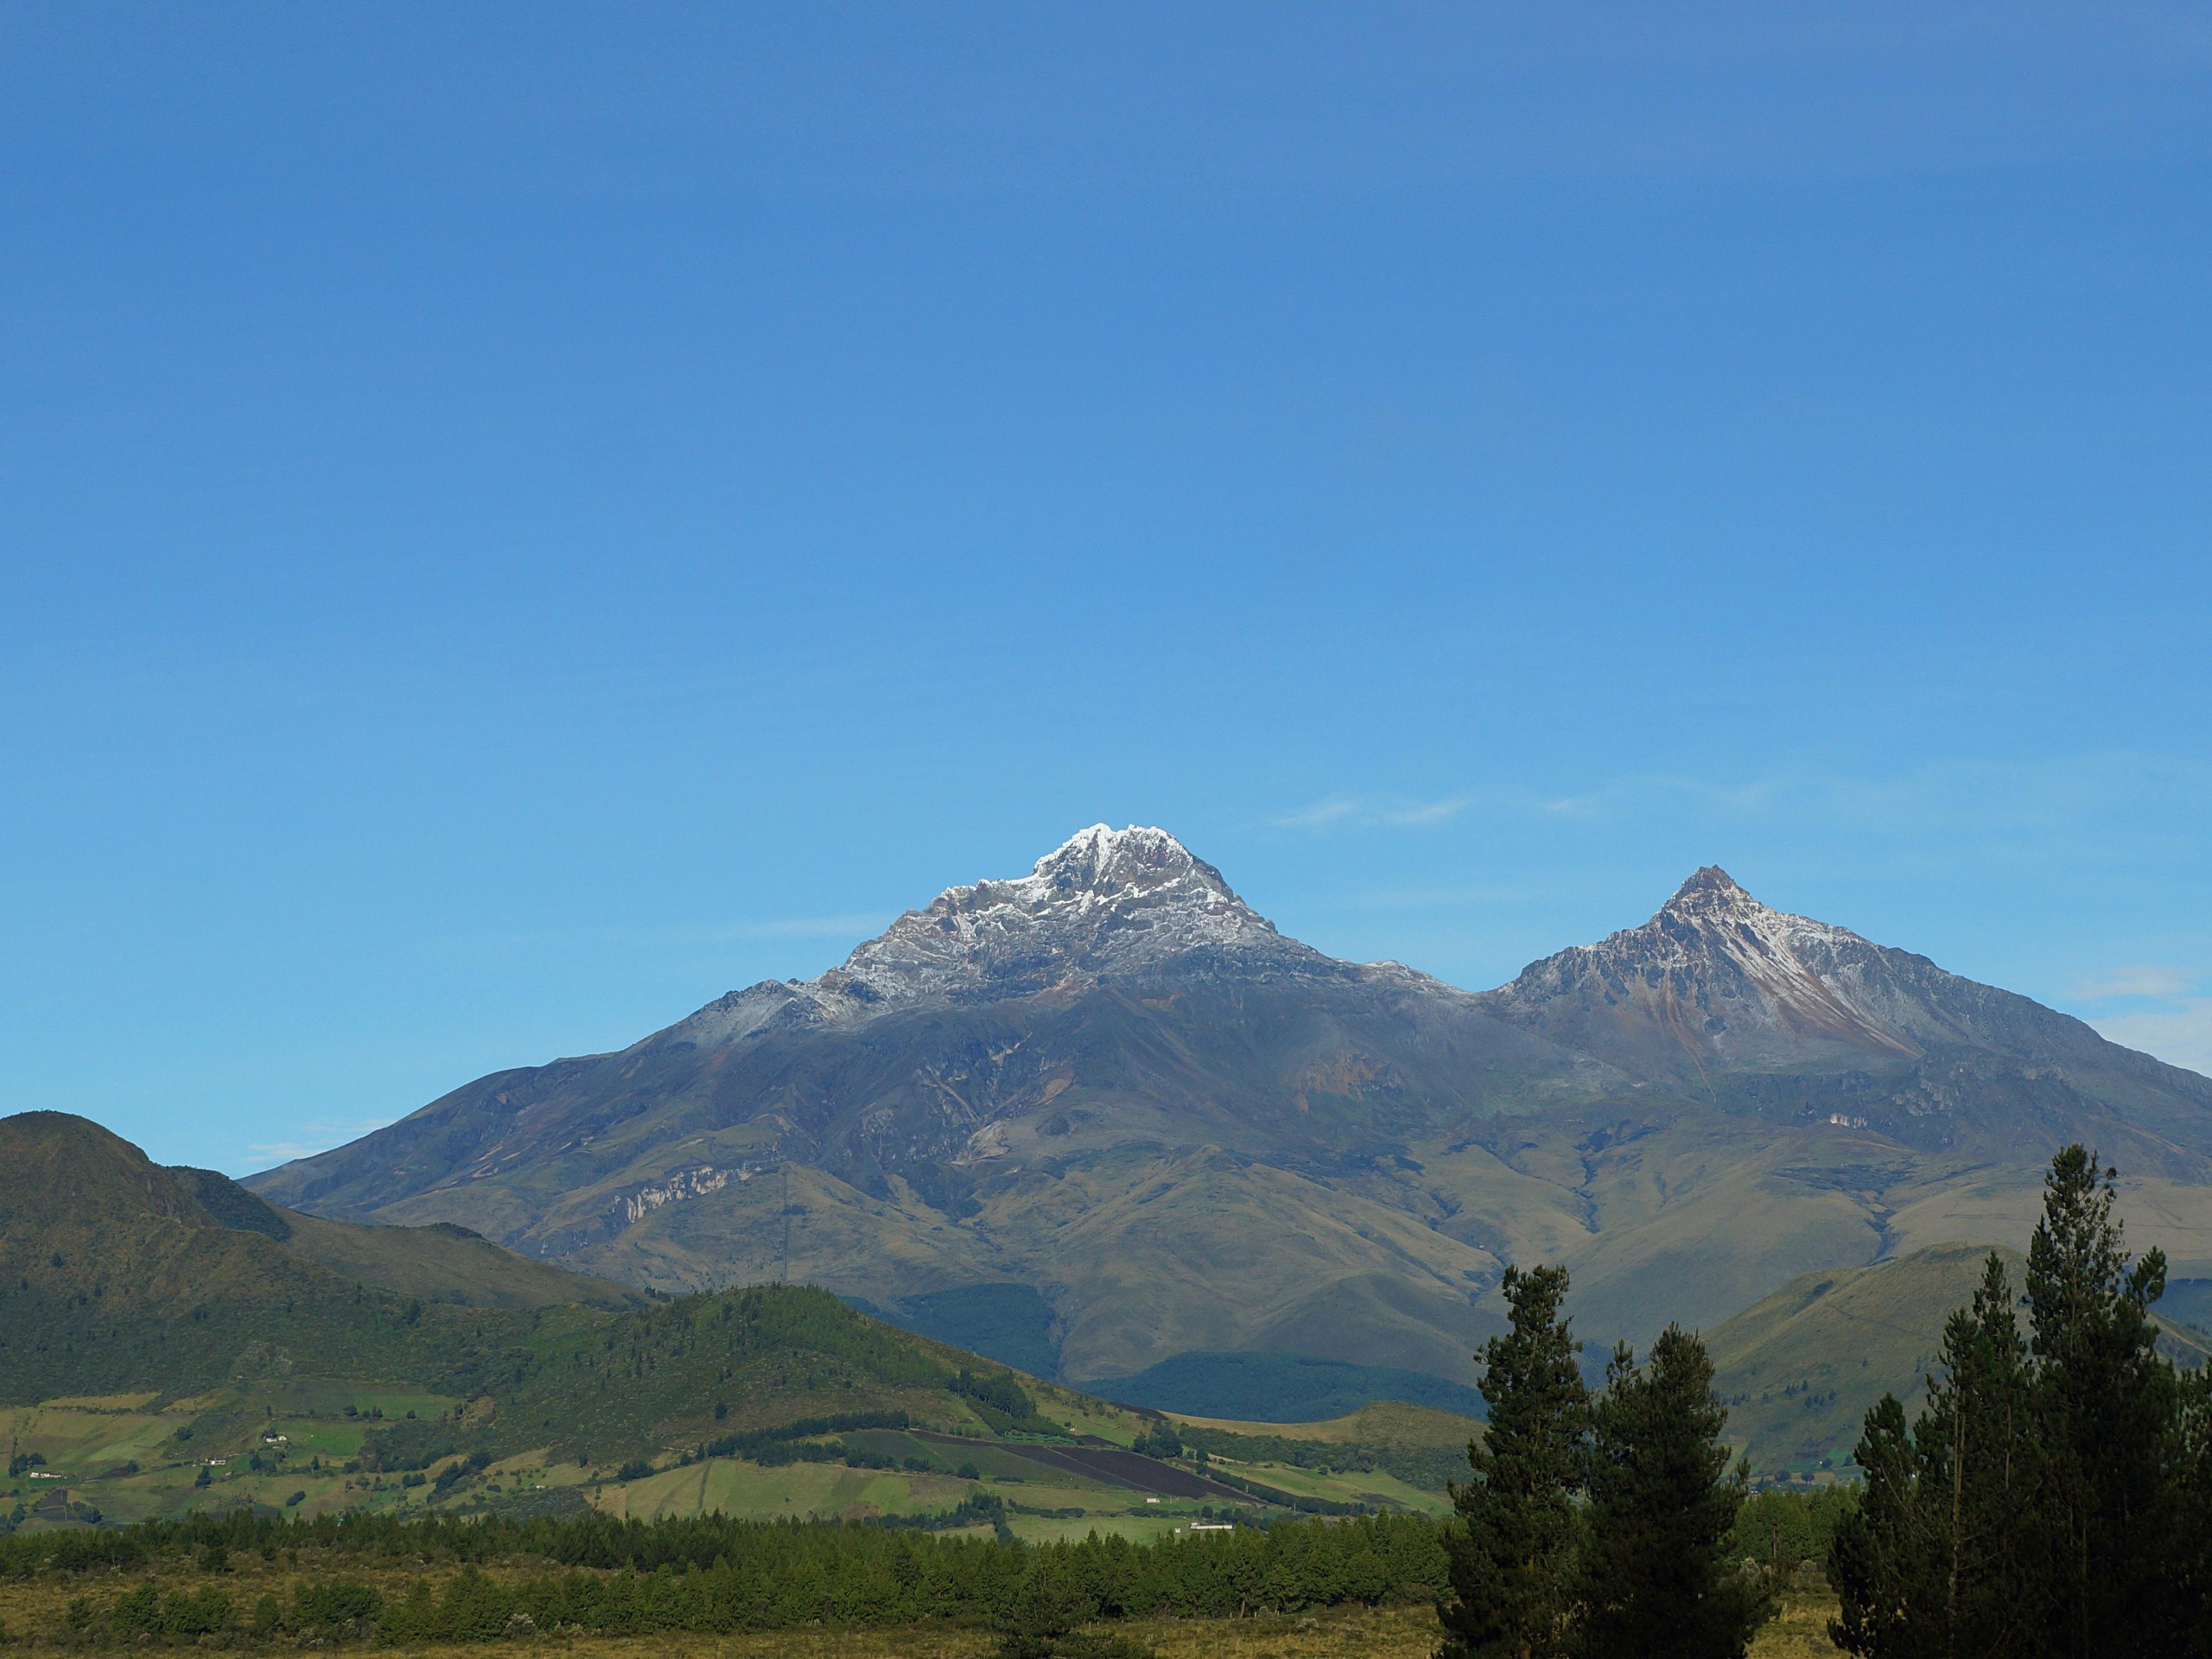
{"x":1383,"y":1422}
{"x":290,"y":1445}
{"x":1383,"y":1633}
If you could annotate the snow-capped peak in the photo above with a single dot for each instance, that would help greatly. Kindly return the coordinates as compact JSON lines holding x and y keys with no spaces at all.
{"x":1104,"y":903}
{"x":1106,"y":860}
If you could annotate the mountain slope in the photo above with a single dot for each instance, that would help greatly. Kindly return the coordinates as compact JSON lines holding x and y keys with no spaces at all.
{"x":1799,"y":1370}
{"x":114,"y":1271}
{"x":1113,"y":1083}
{"x":1107,"y":1078}
{"x":1120,"y":994}
{"x":1758,"y":1010}
{"x":120,"y":1278}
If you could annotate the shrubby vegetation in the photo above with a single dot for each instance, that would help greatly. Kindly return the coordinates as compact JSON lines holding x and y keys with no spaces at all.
{"x":594,"y":1574}
{"x":1782,"y":1530}
{"x":608,"y":1386}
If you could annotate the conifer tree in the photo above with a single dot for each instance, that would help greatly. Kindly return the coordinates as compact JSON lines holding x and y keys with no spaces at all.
{"x":1881,"y":1558}
{"x":1653,"y":1579}
{"x":2107,"y":1426}
{"x":2052,"y":1500}
{"x":1511,"y":1552}
{"x":1978,"y":1475}
{"x":2193,"y":1526}
{"x":1940,"y":1558}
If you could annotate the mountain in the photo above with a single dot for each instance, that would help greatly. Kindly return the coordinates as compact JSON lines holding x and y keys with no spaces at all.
{"x":1108,"y":1111}
{"x":1720,"y":997}
{"x":1109,"y":1080}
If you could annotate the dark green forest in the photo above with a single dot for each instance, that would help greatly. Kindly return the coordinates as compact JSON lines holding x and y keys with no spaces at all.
{"x":2053,"y":1501}
{"x":2055,"y":1497}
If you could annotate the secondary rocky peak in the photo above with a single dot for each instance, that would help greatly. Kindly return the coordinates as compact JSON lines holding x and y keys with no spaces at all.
{"x":1710,"y":887}
{"x":1713,"y":925}
{"x":1711,"y":911}
{"x":1716,"y":972}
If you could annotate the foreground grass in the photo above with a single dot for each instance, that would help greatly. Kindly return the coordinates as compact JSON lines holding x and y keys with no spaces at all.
{"x":1379,"y":1633}
{"x":1383,"y":1633}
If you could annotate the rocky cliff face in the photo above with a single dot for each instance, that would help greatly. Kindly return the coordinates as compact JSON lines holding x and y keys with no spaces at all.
{"x":1112,"y":1081}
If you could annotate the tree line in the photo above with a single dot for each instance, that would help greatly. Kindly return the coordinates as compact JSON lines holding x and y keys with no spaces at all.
{"x":2054,"y":1498}
{"x":594,"y":1575}
{"x":598,"y":1574}
{"x":1597,"y":1526}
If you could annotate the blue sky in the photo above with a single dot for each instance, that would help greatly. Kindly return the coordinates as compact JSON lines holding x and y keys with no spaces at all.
{"x":517,"y":520}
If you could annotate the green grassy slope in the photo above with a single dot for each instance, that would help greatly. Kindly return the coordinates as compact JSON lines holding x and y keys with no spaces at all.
{"x":115,"y":1275}
{"x":1383,"y":1423}
{"x":167,"y":1342}
{"x":446,"y":1263}
{"x":441,"y":1262}
{"x":1278,"y":1388}
{"x":1799,"y":1369}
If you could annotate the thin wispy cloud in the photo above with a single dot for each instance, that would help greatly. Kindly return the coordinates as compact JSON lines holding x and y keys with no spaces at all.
{"x":1373,"y":812}
{"x":283,"y":1151}
{"x":2179,"y":1036}
{"x":322,"y":1137}
{"x":2005,"y":797}
{"x":2143,"y":980}
{"x":2130,"y":802}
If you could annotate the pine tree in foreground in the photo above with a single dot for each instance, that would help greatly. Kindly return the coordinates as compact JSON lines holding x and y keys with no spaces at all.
{"x":1880,"y":1559}
{"x":2052,"y":1501}
{"x":1937,"y":1558}
{"x":1979,"y":1470}
{"x":1654,"y":1581}
{"x":2107,"y":1410}
{"x":1512,"y":1550}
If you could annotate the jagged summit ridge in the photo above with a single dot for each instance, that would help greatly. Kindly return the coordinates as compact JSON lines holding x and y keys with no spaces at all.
{"x":1105,"y":902}
{"x":1712,"y":909}
{"x":1721,"y":973}
{"x":1710,"y":884}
